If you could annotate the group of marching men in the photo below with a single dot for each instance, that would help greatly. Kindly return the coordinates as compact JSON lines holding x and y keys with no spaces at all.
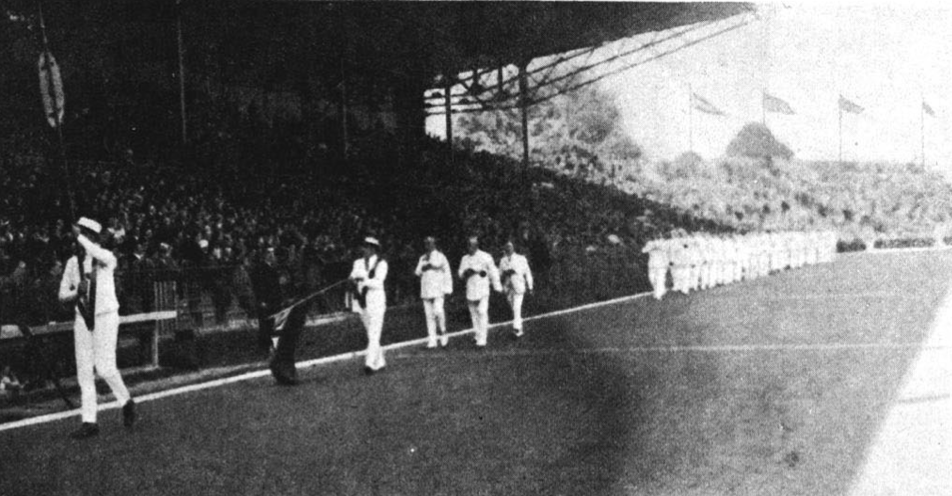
{"x":88,"y":285}
{"x":477,"y":271}
{"x":704,"y":260}
{"x":697,"y":261}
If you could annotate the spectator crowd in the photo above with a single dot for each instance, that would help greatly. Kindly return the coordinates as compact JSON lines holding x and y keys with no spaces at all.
{"x":206,"y":228}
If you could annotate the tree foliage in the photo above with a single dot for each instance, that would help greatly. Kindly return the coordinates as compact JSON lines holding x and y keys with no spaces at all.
{"x":579,"y":130}
{"x":756,"y":140}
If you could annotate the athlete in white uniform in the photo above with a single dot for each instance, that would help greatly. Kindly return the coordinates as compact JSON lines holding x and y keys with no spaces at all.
{"x":517,"y":280}
{"x":88,"y":282}
{"x":478,"y":271}
{"x":367,"y":279}
{"x":658,"y":262}
{"x":436,"y":281}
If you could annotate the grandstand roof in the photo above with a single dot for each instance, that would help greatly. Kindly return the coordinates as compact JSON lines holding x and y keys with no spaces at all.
{"x":464,"y":35}
{"x":448,"y":37}
{"x":454,"y":37}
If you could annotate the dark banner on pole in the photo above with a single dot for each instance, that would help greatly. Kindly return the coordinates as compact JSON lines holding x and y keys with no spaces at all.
{"x":51,"y":89}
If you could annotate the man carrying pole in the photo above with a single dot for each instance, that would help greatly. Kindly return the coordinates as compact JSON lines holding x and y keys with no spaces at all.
{"x":88,"y":283}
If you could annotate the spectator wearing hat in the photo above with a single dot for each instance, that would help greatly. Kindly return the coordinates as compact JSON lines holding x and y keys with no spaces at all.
{"x":88,"y":283}
{"x":517,"y":280}
{"x":367,"y":282}
{"x":436,"y":281}
{"x":477,"y":271}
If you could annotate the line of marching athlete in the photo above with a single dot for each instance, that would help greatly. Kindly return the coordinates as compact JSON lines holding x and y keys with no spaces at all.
{"x":704,"y":260}
{"x":477,"y":272}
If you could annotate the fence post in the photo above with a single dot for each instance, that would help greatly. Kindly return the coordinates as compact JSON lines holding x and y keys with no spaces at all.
{"x":164,"y":300}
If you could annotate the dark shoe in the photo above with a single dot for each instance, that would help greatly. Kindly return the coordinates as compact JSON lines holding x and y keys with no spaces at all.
{"x":87,"y":430}
{"x":368,"y":371}
{"x":283,"y":380}
{"x":129,"y":413}
{"x":285,"y":374}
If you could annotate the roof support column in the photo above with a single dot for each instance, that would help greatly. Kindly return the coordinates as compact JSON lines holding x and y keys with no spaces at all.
{"x":181,"y":73}
{"x":524,"y":106}
{"x":343,"y":108}
{"x":449,"y":114}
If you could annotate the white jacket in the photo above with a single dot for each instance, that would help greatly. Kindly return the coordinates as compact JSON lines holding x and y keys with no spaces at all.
{"x":103,"y":270}
{"x":438,"y":280}
{"x":521,"y":280}
{"x":477,"y":286}
{"x":376,"y":296}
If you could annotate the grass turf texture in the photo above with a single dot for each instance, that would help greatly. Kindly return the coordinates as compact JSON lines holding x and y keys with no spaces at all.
{"x":710,"y":393}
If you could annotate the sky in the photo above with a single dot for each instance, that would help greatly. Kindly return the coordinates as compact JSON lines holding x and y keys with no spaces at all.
{"x":887,"y":57}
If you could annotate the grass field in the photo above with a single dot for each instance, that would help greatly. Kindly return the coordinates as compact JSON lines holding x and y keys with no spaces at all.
{"x":776,"y":386}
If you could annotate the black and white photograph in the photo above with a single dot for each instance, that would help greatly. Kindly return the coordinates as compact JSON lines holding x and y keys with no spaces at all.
{"x":301,"y":247}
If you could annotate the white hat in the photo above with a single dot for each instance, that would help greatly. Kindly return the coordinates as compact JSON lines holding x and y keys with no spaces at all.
{"x":371,"y":241}
{"x":89,"y":224}
{"x":203,"y":243}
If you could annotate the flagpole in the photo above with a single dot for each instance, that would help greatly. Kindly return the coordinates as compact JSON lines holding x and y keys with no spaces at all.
{"x":763,"y":106}
{"x":70,"y":196}
{"x":841,"y":134}
{"x":181,"y":74}
{"x":690,"y":118}
{"x":922,"y":128}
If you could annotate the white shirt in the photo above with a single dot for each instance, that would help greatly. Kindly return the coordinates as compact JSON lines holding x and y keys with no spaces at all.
{"x":521,"y":280}
{"x":438,"y":281}
{"x":376,"y":296}
{"x":104,"y":272}
{"x":477,"y":287}
{"x":657,"y":253}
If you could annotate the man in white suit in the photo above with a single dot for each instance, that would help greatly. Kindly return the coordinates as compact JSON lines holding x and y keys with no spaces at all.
{"x":658,"y":263}
{"x":436,"y":281}
{"x":370,"y":300}
{"x":478,"y":271}
{"x":517,"y":280}
{"x":88,"y":283}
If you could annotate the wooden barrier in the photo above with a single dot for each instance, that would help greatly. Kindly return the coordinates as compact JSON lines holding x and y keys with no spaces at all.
{"x":165,"y":317}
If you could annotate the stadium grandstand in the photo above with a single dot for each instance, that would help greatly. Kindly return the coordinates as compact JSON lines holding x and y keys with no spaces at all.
{"x":207,"y":135}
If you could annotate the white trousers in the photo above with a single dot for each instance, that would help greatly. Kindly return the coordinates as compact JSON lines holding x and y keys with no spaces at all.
{"x":658,"y":277}
{"x":435,"y":318}
{"x":97,"y":350}
{"x":515,"y":303}
{"x":681,"y":274}
{"x":479,"y":313}
{"x":372,"y":318}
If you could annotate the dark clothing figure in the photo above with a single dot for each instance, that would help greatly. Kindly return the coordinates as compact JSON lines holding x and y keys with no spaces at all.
{"x":266,"y":283}
{"x":282,"y":361}
{"x":220,"y":277}
{"x":139,"y":277}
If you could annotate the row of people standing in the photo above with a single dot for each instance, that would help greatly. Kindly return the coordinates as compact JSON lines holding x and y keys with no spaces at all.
{"x":478,"y":273}
{"x":704,"y":260}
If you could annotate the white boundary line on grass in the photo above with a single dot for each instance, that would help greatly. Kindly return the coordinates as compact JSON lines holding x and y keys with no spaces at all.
{"x":52,"y":417}
{"x":884,"y":251}
{"x":816,"y":347}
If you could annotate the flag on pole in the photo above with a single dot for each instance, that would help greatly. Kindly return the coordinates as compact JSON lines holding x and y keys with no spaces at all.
{"x":927,"y":109}
{"x":51,"y":89}
{"x":281,"y":318}
{"x":703,"y":105}
{"x":848,"y":106}
{"x":774,"y":104}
